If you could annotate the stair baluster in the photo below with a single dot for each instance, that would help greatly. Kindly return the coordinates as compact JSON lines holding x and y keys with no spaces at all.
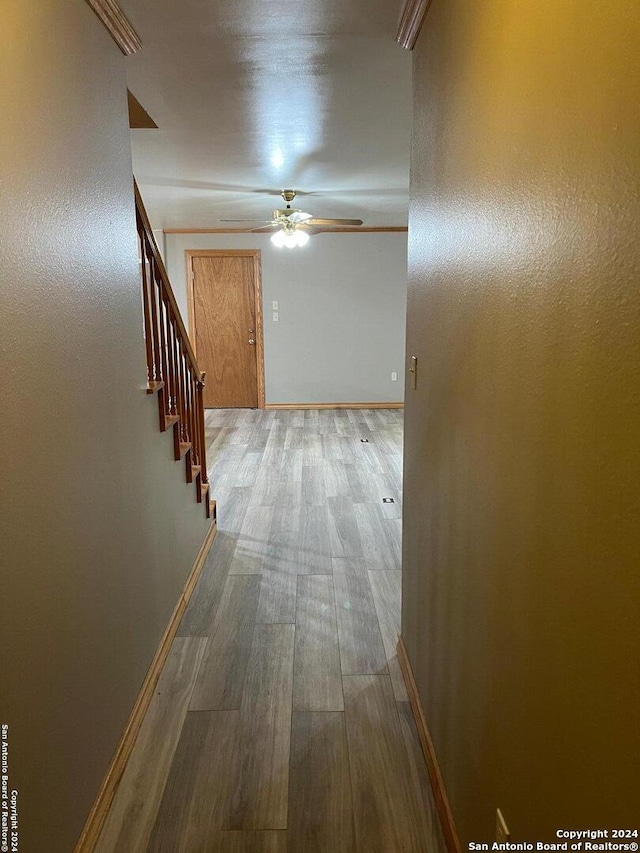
{"x":172,"y":370}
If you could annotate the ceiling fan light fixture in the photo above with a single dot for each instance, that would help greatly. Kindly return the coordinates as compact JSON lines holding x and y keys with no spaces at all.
{"x":289,"y":238}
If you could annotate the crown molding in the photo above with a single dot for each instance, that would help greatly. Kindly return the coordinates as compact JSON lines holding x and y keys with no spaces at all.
{"x":411,"y":21}
{"x":117,"y":24}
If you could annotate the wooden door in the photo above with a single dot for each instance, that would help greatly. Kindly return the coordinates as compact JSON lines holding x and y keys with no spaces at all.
{"x":227,"y":326}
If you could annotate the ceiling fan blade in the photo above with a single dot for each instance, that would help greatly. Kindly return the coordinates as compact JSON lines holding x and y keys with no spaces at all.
{"x":245,"y":220}
{"x":315,"y":221}
{"x":263,"y":230}
{"x":299,"y":216}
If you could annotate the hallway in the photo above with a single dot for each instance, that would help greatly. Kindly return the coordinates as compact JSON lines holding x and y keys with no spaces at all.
{"x":281,"y":721}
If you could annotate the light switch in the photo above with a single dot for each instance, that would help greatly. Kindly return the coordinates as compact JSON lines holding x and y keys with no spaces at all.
{"x":275,"y":316}
{"x":394,"y":376}
{"x":274,"y":304}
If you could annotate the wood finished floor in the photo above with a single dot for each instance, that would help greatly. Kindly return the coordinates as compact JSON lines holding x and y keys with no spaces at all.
{"x":281,"y":722}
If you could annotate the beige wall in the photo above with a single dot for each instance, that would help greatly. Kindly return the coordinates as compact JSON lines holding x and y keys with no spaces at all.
{"x":521,"y":583}
{"x":341,"y":307}
{"x":98,"y":528}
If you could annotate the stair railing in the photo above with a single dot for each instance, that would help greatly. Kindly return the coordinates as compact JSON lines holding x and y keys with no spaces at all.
{"x":172,"y":370}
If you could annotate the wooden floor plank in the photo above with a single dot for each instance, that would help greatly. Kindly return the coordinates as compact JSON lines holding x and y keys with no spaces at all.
{"x":247,"y":469}
{"x":294,"y":438}
{"x":291,"y":466}
{"x":279,"y":565}
{"x":287,"y":517}
{"x":296,"y":418}
{"x":331,"y":444}
{"x":199,"y":617}
{"x":259,"y":437}
{"x":389,"y":813}
{"x":312,"y":446}
{"x":260,"y":775}
{"x":325,"y":423}
{"x":393,"y":531}
{"x":313,"y":491}
{"x":351,"y":448}
{"x":278,"y":588}
{"x":223,"y":470}
{"x":317,"y":681}
{"x":253,"y":542}
{"x":387,"y":596}
{"x":265,"y":487}
{"x":316,"y":545}
{"x":361,"y":648}
{"x":335,"y":479}
{"x":320,"y":809}
{"x":344,"y":536}
{"x":274,"y":449}
{"x":196,"y":794}
{"x":220,"y":681}
{"x":380,"y":546}
{"x":135,"y":806}
{"x":373,"y":459}
{"x":360,"y":489}
{"x":232,"y":505}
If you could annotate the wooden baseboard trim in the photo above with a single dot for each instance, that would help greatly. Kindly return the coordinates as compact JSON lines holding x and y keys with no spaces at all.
{"x":334,"y":406}
{"x":435,"y":777}
{"x":98,"y":814}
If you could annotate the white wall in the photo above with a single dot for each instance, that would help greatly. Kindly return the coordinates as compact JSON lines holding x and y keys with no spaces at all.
{"x":342,"y":304}
{"x":98,"y":528}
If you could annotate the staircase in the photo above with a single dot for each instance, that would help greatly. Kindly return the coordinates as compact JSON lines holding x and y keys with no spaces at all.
{"x":172,"y":370}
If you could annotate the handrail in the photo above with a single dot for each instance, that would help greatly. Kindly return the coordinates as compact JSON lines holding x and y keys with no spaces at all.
{"x":157,"y":257}
{"x":172,"y":370}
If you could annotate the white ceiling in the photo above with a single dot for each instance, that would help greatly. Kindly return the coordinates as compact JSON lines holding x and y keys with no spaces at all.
{"x":253,"y":96}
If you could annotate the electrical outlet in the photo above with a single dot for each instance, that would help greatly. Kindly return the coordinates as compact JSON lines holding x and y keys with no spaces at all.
{"x":502,"y":831}
{"x":394,"y":376}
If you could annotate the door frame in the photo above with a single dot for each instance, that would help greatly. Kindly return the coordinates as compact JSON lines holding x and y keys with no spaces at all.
{"x":190,"y":254}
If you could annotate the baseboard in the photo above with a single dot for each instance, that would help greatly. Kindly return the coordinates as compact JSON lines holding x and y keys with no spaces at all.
{"x":435,"y":777}
{"x":98,"y":814}
{"x":334,"y":406}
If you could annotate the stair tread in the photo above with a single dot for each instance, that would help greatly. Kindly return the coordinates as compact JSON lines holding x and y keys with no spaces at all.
{"x":192,"y":472}
{"x":154,"y":386}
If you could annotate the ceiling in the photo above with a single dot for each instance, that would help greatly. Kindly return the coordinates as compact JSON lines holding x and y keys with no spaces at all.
{"x":253,"y":96}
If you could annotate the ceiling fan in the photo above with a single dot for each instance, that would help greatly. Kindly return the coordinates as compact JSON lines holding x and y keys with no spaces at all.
{"x":292,"y":226}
